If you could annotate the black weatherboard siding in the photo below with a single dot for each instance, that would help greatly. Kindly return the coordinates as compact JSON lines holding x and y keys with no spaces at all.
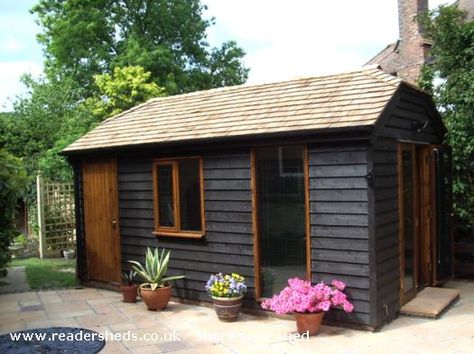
{"x":228,"y":242}
{"x":409,"y":110}
{"x":339,"y":223}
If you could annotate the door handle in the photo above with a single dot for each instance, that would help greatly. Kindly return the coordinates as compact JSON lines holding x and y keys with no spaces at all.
{"x":114,"y":222}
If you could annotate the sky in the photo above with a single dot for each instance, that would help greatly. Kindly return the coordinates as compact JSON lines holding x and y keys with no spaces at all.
{"x":283,"y":39}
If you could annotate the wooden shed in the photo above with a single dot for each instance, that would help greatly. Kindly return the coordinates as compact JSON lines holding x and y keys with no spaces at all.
{"x":340,"y":176}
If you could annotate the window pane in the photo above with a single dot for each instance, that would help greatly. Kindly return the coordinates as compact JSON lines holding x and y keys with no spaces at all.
{"x":281,"y":213}
{"x":189,"y":195}
{"x":165,"y":195}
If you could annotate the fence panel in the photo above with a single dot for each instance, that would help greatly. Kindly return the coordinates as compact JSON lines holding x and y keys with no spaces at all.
{"x":56,"y":217}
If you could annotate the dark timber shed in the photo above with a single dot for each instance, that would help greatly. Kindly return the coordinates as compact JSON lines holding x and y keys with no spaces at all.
{"x":340,"y":176}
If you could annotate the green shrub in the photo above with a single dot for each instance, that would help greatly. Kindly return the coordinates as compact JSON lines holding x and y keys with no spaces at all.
{"x":13,"y":181}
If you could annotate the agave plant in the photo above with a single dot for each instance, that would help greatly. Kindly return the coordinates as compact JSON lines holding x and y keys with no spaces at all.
{"x":128,"y":277}
{"x":156,"y":265}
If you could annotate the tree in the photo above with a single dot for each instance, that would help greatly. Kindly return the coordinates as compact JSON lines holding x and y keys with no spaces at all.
{"x":124,"y":89}
{"x":83,"y":38}
{"x":13,"y":182}
{"x":54,"y":115}
{"x":38,"y":119}
{"x":450,"y":77}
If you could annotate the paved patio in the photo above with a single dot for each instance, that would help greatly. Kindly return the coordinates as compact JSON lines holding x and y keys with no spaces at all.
{"x":195,"y":329}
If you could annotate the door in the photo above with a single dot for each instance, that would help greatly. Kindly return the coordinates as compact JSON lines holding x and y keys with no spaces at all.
{"x":280,"y":175}
{"x":443,"y":250}
{"x":409,"y":236}
{"x":102,"y":236}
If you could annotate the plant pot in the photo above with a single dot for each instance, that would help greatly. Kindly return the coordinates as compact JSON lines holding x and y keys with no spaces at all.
{"x":69,"y":254}
{"x":129,"y":293}
{"x":227,"y":308}
{"x":309,"y":322}
{"x":155,"y":299}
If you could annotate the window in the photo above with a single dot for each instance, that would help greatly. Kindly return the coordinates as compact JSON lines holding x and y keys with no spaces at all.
{"x":178,"y":197}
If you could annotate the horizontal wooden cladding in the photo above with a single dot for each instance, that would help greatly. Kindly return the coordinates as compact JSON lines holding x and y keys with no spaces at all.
{"x":227,"y":245}
{"x":339,"y":221}
{"x":410,"y":110}
{"x":338,"y":195}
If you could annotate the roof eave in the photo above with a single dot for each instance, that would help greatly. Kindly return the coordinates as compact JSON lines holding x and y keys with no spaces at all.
{"x":362,"y":132}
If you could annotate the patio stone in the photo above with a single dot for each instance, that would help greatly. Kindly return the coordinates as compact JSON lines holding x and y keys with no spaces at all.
{"x":99,"y":320}
{"x":199,"y":330}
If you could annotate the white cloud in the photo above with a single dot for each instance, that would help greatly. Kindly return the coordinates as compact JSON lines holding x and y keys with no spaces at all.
{"x":10,"y":73}
{"x":286,"y":39}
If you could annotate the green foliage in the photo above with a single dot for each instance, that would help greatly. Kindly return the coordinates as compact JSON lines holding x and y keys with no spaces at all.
{"x":156,"y":266}
{"x":38,"y":118}
{"x":48,"y":273}
{"x":123,"y":90}
{"x":450,"y":77}
{"x":13,"y":181}
{"x":84,"y":38}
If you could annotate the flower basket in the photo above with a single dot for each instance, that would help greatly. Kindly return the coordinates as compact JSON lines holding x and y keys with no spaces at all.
{"x":227,"y":292}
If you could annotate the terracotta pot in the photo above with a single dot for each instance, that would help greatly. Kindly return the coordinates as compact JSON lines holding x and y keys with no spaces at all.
{"x":227,"y":308}
{"x":129,"y":293}
{"x":155,"y":299}
{"x":309,"y":322}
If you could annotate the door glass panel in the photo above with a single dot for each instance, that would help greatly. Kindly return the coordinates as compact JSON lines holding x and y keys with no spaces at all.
{"x":281,"y":216}
{"x":443,"y":204}
{"x":408,"y":221}
{"x":189,"y":195}
{"x":165,"y":195}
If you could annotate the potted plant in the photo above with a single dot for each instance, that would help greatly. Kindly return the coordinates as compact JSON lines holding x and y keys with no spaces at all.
{"x":309,"y":302}
{"x":227,"y":292}
{"x":155,"y":291}
{"x":129,"y":288}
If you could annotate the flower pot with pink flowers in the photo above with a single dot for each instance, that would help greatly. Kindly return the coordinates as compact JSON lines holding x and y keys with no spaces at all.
{"x":309,"y":302}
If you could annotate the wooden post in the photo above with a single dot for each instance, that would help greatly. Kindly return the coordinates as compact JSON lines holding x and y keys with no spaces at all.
{"x":40,"y":209}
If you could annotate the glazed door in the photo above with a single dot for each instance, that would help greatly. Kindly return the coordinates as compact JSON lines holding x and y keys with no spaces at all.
{"x":101,"y":220}
{"x":280,"y":172}
{"x":408,"y":184}
{"x":442,"y":168}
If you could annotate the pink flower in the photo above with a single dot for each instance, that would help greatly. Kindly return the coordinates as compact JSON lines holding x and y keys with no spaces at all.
{"x":302,"y":297}
{"x":347,"y":306}
{"x":339,"y":285}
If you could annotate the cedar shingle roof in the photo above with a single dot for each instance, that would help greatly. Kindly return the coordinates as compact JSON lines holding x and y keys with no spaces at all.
{"x":345,"y":100}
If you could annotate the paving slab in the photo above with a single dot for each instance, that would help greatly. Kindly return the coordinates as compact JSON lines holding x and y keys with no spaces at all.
{"x":197,"y":330}
{"x":15,"y":281}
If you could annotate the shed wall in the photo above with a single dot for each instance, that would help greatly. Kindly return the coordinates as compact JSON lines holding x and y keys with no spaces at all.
{"x":228,"y":243}
{"x":339,"y":223}
{"x":410,"y":109}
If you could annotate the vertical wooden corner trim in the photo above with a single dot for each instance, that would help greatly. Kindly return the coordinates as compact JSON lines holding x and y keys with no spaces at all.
{"x":156,"y":214}
{"x":400,"y":217}
{"x":203,"y":209}
{"x":307,"y":212}
{"x":256,"y":239}
{"x":416,"y":205}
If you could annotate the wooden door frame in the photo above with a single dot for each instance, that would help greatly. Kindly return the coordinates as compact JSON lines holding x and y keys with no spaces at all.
{"x":255,"y":222}
{"x":113,"y":197}
{"x":407,"y":296}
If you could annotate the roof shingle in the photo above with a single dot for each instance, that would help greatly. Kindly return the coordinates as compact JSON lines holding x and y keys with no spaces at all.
{"x":350,"y":99}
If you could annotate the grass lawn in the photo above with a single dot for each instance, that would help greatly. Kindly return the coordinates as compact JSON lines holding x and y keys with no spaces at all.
{"x":48,"y":272}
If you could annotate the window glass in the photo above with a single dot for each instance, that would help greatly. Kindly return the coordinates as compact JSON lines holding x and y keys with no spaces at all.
{"x":189,"y":195}
{"x":165,"y":196}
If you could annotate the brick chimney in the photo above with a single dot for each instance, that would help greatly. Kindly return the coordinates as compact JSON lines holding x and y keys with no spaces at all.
{"x":413,"y":49}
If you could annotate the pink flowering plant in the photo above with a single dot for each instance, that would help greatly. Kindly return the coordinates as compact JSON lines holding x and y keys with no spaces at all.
{"x":302,"y":297}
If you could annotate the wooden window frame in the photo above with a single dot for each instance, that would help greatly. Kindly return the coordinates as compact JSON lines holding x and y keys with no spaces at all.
{"x":255,"y":219}
{"x":176,"y":231}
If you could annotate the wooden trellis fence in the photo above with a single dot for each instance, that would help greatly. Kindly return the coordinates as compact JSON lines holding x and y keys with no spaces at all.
{"x":56,"y":218}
